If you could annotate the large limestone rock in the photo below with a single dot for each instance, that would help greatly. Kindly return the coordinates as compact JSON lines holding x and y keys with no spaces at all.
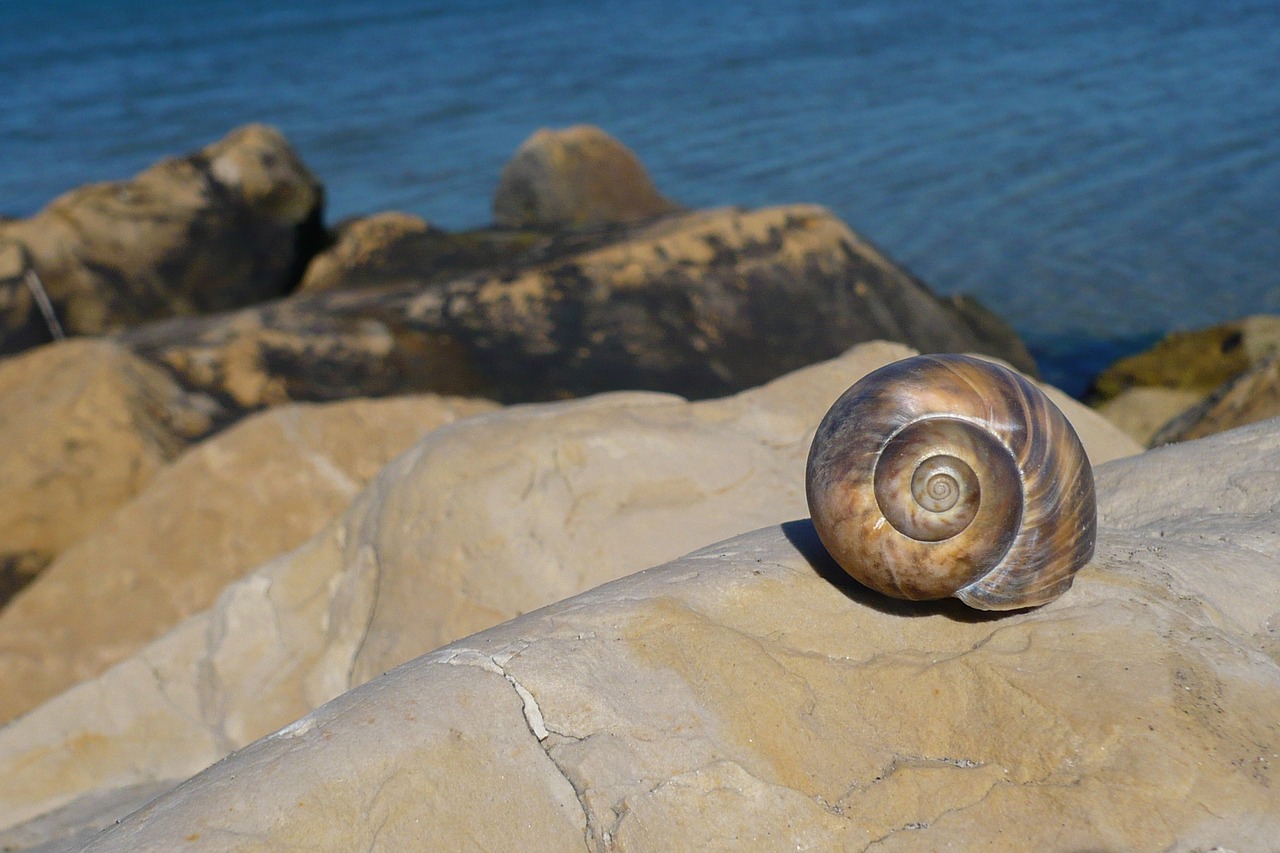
{"x":574,"y":177}
{"x":223,"y":508}
{"x":227,"y":226}
{"x":481,"y":521}
{"x":84,"y":425}
{"x":701,"y":304}
{"x":749,"y":696}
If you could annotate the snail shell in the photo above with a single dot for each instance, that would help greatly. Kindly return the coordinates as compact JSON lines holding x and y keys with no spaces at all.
{"x":945,"y":475}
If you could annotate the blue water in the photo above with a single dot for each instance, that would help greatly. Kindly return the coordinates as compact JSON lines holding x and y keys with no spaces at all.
{"x":1097,"y":173}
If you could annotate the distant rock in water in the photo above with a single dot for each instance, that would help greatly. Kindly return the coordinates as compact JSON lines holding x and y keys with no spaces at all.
{"x":1198,"y":360}
{"x":1195,"y":383}
{"x":699,"y":304}
{"x":227,"y":226}
{"x":579,"y":176}
{"x":1248,"y":398}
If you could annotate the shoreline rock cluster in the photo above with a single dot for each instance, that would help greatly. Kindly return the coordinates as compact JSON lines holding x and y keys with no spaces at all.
{"x":219,"y":268}
{"x":334,"y":560}
{"x":578,"y":290}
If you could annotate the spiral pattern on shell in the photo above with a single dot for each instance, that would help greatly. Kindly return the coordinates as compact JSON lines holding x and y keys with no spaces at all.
{"x":946,"y":475}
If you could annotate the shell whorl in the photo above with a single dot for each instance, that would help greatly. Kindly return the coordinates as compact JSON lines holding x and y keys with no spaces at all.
{"x":945,"y":475}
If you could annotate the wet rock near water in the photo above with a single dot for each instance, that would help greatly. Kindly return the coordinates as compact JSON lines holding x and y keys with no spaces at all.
{"x":1252,"y":396}
{"x":589,"y":281}
{"x":1198,"y":360}
{"x":230,"y":225}
{"x":1194,"y":383}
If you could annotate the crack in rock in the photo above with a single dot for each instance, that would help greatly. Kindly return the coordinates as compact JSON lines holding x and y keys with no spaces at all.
{"x":532,"y":713}
{"x":496,"y":663}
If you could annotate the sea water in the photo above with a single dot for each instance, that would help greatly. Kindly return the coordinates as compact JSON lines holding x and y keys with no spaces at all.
{"x":1095,"y":172}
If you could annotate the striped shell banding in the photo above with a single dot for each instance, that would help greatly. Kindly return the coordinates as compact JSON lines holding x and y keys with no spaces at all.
{"x":945,"y":475}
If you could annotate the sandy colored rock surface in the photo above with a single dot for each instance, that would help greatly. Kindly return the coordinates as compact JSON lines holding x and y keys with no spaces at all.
{"x":479,"y":522}
{"x":228,"y":225}
{"x":574,"y":177}
{"x":749,"y":696}
{"x":1142,"y":411}
{"x":227,"y":505}
{"x":84,"y":426}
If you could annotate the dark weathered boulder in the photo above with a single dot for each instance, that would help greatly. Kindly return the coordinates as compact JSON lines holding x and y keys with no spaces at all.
{"x":397,"y":248}
{"x":700,"y":304}
{"x":228,"y":226}
{"x":575,"y":177}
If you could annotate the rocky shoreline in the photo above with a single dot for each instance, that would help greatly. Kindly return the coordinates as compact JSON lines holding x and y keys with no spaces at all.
{"x":575,"y":291}
{"x":276,"y":459}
